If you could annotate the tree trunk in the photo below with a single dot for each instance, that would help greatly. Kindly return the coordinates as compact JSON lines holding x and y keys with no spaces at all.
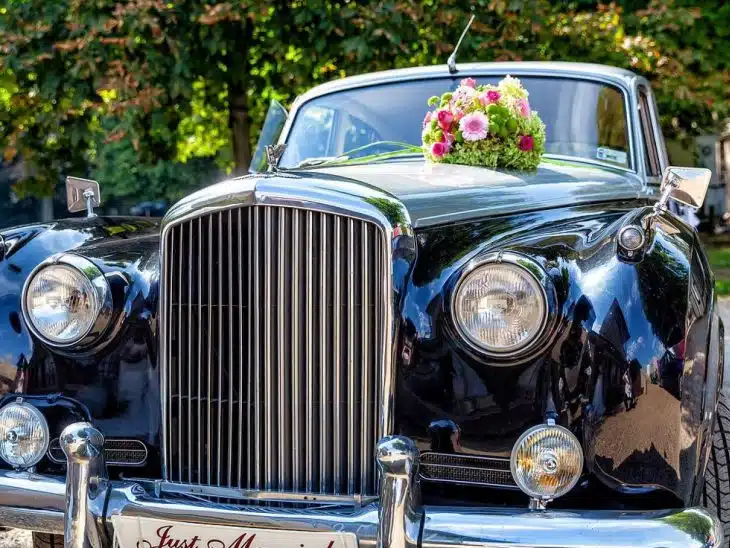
{"x":46,"y":209}
{"x":240,"y":127}
{"x":238,"y":82}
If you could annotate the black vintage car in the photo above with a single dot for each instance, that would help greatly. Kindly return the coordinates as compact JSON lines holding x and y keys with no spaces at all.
{"x":364,"y":348}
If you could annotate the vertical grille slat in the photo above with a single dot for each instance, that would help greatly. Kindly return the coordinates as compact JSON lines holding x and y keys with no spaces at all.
{"x":281,"y":388}
{"x":365,"y":409}
{"x":231,"y":347}
{"x":281,"y":303}
{"x":310,"y":422}
{"x":241,"y":262}
{"x":325,"y":339}
{"x":352,"y":463}
{"x":296,"y":402}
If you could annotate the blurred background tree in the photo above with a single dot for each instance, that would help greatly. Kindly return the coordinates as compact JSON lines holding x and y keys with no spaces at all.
{"x":156,"y":97}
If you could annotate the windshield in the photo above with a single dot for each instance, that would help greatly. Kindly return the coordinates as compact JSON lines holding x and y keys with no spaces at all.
{"x":583,"y":119}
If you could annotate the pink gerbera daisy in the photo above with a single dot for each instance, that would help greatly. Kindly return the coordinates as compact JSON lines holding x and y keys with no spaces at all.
{"x":474,"y":126}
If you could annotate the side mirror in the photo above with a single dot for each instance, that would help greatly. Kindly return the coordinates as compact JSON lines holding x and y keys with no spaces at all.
{"x":687,"y":185}
{"x":82,"y":195}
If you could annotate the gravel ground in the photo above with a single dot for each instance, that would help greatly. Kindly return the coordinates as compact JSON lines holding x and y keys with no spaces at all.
{"x":15,"y":538}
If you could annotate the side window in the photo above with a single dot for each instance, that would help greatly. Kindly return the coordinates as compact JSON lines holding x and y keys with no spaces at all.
{"x":651,"y":154}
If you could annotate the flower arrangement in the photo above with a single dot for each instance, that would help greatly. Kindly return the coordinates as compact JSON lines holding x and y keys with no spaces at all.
{"x":489,"y":126}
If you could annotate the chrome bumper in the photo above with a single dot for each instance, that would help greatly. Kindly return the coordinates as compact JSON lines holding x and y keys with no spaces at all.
{"x":82,"y":509}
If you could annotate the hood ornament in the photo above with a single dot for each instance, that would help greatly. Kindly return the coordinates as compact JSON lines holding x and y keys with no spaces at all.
{"x":273,"y":155}
{"x":451,"y":62}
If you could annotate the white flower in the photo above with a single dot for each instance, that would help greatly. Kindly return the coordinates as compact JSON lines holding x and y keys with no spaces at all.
{"x":512,"y":88}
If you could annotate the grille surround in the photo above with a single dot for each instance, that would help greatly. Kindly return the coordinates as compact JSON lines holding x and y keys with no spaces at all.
{"x":244,"y":193}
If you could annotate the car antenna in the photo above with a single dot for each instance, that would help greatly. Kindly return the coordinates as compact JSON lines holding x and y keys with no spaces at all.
{"x":451,"y":63}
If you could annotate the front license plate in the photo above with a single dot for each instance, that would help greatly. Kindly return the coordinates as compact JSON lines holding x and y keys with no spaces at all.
{"x":134,"y":532}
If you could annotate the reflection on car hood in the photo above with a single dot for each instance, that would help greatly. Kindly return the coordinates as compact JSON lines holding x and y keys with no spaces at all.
{"x":440,"y":193}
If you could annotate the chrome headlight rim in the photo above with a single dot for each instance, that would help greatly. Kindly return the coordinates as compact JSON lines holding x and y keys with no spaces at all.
{"x":547,"y":292}
{"x":102,"y":289}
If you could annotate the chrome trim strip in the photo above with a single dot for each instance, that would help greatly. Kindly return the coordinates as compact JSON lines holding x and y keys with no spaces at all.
{"x":309,"y":360}
{"x":295,"y":411}
{"x":260,"y":495}
{"x":324,"y":380}
{"x":337,"y":359}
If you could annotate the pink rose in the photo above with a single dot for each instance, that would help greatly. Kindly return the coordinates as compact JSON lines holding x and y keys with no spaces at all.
{"x":438,"y":149}
{"x":445,"y":119}
{"x":427,"y":119}
{"x":490,"y":97}
{"x":526,"y":143}
{"x":469,"y":83}
{"x":523,"y":108}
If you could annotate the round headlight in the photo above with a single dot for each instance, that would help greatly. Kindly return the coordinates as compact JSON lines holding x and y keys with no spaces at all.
{"x":547,"y":461}
{"x":67,"y":301}
{"x":23,"y":435}
{"x":500,"y":307}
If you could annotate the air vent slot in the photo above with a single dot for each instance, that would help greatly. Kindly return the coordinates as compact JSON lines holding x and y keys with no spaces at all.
{"x":466,"y":470}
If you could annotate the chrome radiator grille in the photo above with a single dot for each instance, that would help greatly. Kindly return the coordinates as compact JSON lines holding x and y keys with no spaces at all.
{"x":274,"y":332}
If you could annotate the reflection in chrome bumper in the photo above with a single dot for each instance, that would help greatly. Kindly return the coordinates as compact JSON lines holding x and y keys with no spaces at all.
{"x":38,"y":503}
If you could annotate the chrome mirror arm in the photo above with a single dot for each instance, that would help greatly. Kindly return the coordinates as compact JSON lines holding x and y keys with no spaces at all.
{"x":89,"y":196}
{"x":669,"y":184}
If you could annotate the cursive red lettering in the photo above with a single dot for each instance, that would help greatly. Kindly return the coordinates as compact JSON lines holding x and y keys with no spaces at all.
{"x":166,"y":540}
{"x":163,"y":533}
{"x":242,"y":541}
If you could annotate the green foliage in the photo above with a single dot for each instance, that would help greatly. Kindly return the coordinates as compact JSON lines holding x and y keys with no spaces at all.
{"x":160,"y":82}
{"x":136,"y":182}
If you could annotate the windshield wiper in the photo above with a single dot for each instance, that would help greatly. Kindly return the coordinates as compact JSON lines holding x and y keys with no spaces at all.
{"x":350,"y":157}
{"x":319,"y":160}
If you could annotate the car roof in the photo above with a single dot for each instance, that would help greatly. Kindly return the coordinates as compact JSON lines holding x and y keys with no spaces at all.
{"x":605,"y":73}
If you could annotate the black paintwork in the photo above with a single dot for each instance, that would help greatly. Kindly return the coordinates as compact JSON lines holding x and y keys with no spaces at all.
{"x":630,"y":362}
{"x":117,"y":381}
{"x":612,"y":366}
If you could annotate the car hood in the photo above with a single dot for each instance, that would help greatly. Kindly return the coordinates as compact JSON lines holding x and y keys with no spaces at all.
{"x":442,"y":193}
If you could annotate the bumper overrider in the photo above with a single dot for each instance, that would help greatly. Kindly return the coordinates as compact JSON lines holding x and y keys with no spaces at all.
{"x":84,"y":507}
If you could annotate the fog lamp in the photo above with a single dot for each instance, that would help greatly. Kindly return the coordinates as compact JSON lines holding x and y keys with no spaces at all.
{"x":23,"y":434}
{"x":546,"y":462}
